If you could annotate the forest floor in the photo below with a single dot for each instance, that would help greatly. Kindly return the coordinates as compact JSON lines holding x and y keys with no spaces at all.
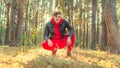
{"x":17,"y":57}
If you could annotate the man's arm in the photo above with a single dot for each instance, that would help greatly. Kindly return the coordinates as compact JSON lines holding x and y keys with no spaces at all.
{"x":46,"y":35}
{"x":46,"y":32}
{"x":70,"y":28}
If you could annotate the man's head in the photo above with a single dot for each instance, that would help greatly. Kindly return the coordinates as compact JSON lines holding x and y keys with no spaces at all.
{"x":57,"y":16}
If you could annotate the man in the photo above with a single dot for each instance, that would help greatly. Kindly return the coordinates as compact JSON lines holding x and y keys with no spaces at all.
{"x":55,"y":35}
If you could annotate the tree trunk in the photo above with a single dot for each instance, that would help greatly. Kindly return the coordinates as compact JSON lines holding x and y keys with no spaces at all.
{"x":87,"y":26}
{"x":8,"y":30}
{"x":98,"y":32}
{"x":103,"y":42}
{"x":83,"y":45}
{"x":109,"y":15}
{"x":20,"y":21}
{"x":12,"y":22}
{"x":87,"y":36}
{"x":80,"y":22}
{"x":70,"y":12}
{"x":36,"y":23}
{"x":93,"y":41}
{"x":0,"y":32}
{"x":87,"y":29}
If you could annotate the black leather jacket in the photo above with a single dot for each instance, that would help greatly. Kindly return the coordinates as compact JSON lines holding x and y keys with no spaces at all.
{"x":49,"y":29}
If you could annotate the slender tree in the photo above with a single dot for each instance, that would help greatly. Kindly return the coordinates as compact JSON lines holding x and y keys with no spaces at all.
{"x":20,"y":21}
{"x":81,"y":20}
{"x":93,"y":41}
{"x":87,"y":24}
{"x":0,"y":23}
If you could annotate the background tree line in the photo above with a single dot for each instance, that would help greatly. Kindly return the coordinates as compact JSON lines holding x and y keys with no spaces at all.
{"x":96,"y":22}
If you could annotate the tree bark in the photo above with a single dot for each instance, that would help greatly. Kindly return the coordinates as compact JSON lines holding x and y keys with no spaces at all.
{"x":10,"y":31}
{"x":103,"y":43}
{"x":93,"y":41}
{"x":0,"y":24}
{"x":83,"y":45}
{"x":20,"y":21}
{"x":80,"y":22}
{"x":13,"y":23}
{"x":109,"y":15}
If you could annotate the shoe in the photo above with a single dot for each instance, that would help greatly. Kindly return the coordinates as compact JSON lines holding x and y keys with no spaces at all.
{"x":69,"y":53}
{"x":54,"y":52}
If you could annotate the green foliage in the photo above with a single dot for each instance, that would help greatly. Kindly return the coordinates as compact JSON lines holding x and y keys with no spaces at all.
{"x":2,"y":33}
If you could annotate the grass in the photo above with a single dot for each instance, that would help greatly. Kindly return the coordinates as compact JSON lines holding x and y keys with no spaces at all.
{"x":16,"y":57}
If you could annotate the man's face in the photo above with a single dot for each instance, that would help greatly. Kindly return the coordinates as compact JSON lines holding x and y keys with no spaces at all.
{"x":57,"y":18}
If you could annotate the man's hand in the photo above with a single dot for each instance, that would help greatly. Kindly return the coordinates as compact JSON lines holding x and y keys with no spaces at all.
{"x":49,"y":42}
{"x":68,"y":41}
